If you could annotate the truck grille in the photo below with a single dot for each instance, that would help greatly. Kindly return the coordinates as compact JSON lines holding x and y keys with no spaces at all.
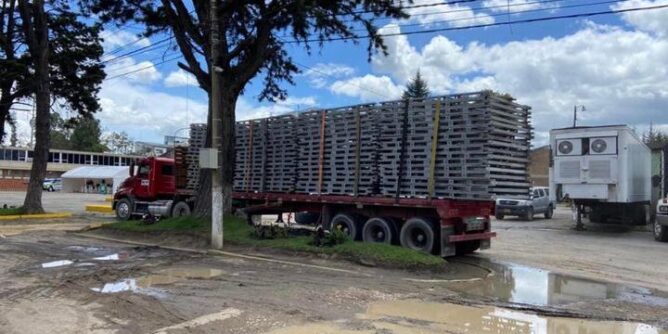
{"x":569,"y":169}
{"x":599,"y":169}
{"x":507,"y":202}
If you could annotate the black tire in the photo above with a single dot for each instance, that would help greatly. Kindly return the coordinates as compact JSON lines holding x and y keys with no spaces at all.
{"x":418,"y":234}
{"x":549,"y":213}
{"x":529,"y":215}
{"x":306,"y":218}
{"x":51,"y":189}
{"x":660,"y":232}
{"x":124,"y":209}
{"x":347,"y":224}
{"x":180,"y":209}
{"x":499,"y":216}
{"x":380,"y":230}
{"x":467,"y":247}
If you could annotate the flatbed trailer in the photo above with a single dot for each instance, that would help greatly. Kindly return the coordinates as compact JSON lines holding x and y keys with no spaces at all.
{"x":440,"y":226}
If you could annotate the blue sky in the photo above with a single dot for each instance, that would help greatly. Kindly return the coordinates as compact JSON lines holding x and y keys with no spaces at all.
{"x":614,"y":65}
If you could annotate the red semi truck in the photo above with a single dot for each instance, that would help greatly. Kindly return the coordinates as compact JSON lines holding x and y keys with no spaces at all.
{"x":440,"y":226}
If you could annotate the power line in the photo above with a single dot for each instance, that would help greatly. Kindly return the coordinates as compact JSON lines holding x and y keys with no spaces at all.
{"x":147,"y":48}
{"x":486,"y":25}
{"x":143,"y":68}
{"x":517,"y":12}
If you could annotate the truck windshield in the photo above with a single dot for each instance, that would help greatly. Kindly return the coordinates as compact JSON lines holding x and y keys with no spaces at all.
{"x":144,"y":170}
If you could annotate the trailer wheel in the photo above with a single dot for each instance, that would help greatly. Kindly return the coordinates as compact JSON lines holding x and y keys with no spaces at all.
{"x":660,"y":232}
{"x":499,"y":216}
{"x":418,"y":234}
{"x":345,"y":223}
{"x":380,"y":230}
{"x":124,"y":209}
{"x":180,"y":209}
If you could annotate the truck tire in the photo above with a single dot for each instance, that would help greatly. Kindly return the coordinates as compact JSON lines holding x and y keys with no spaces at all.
{"x":549,"y":212}
{"x":347,"y":224}
{"x":380,"y":230}
{"x":180,"y":209}
{"x":418,"y":234}
{"x":124,"y":209}
{"x":660,"y":232}
{"x":499,"y":216}
{"x":467,"y":247}
{"x":529,"y":215}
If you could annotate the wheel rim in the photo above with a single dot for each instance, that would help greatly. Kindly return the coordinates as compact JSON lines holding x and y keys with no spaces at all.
{"x":378,"y":234}
{"x":657,"y":229}
{"x":418,"y":238}
{"x":123,"y":209}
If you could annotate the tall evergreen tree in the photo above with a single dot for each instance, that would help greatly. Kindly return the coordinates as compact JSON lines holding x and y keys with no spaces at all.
{"x":416,"y":88}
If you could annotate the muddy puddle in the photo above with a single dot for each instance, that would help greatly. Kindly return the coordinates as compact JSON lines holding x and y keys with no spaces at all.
{"x":526,"y":285}
{"x":148,"y":284}
{"x":413,"y":316}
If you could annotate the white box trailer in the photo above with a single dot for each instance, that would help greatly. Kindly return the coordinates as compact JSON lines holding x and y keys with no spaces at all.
{"x":605,"y":170}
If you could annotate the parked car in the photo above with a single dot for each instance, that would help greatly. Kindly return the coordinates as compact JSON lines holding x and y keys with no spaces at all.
{"x":661,"y":221}
{"x":52,"y":184}
{"x":538,"y":204}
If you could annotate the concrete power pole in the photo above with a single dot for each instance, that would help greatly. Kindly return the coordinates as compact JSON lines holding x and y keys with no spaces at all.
{"x":216,"y":104}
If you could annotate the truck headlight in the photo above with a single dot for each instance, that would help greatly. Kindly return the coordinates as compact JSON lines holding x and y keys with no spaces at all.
{"x":663,"y":209}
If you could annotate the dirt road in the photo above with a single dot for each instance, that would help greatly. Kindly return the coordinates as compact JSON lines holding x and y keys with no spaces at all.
{"x":57,"y":282}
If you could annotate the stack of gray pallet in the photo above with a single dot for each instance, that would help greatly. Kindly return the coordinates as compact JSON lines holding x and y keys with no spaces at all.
{"x":197,"y":140}
{"x":463,"y":146}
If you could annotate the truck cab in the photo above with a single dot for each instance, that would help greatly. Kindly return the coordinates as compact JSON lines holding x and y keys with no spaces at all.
{"x":151,"y":181}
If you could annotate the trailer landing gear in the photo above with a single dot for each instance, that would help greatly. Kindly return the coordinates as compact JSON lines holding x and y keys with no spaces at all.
{"x":579,"y":226}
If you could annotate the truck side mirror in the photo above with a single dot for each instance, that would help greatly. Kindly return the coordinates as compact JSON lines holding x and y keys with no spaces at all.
{"x":132,"y":169}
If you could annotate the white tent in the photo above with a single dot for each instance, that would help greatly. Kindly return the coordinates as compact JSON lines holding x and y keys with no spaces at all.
{"x":75,"y":179}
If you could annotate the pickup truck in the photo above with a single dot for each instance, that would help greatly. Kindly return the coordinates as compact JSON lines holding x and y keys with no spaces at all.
{"x":526,"y":209}
{"x":661,"y":221}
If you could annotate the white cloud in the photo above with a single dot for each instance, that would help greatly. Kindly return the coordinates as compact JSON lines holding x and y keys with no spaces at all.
{"x":320,"y":73}
{"x":655,"y":21}
{"x":368,"y":88}
{"x":619,"y":75}
{"x":457,"y":15}
{"x":129,"y":70}
{"x":512,"y":5}
{"x":113,"y":40}
{"x":180,"y":78}
{"x":246,"y":111}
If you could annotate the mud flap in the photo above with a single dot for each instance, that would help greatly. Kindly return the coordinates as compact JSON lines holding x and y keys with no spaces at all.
{"x":485,"y":243}
{"x":447,"y":248}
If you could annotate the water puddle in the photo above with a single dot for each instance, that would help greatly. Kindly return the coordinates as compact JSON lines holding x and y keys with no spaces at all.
{"x":55,"y":264}
{"x":146,"y":283}
{"x":413,"y":316}
{"x":526,"y":285}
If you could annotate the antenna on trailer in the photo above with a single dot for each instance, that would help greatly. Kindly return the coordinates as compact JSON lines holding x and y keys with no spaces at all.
{"x":575,"y":113}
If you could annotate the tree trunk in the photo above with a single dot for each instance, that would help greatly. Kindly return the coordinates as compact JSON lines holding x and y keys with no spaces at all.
{"x":39,"y":49}
{"x":226,"y":158}
{"x":4,"y":116}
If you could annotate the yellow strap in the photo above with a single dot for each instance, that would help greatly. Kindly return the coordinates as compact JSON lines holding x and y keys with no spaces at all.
{"x":434,"y":144}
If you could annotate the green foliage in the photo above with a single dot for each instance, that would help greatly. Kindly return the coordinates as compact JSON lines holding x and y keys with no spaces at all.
{"x":416,"y":88}
{"x":654,"y":137}
{"x":238,"y":232}
{"x":86,"y":136}
{"x":273,"y":231}
{"x":11,"y":211}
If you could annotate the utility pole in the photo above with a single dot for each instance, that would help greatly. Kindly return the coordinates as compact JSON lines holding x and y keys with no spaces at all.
{"x":216,"y":104}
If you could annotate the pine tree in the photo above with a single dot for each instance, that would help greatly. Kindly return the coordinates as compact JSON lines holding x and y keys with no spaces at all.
{"x":416,"y":88}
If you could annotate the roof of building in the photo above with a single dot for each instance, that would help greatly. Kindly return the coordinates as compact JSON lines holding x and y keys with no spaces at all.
{"x":96,"y":172}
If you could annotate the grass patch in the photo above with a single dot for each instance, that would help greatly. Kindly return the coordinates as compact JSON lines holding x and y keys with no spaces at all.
{"x":11,"y":211}
{"x":238,"y":232}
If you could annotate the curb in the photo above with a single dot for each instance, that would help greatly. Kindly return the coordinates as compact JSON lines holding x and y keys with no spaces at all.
{"x":220,"y":253}
{"x":103,"y":208}
{"x":38,"y":216}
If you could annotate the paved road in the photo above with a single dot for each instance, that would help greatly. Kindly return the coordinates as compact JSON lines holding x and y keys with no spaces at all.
{"x":54,"y":201}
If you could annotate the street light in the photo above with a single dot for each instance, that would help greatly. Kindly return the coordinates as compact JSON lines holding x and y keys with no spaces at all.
{"x":575,"y":113}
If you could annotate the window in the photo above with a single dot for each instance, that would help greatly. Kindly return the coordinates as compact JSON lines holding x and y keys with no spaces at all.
{"x":542,"y":192}
{"x":144,"y":170}
{"x":536,"y":193}
{"x":167,"y":170}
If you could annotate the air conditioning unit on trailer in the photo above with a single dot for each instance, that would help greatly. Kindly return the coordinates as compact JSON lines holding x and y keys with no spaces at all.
{"x":604,"y":168}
